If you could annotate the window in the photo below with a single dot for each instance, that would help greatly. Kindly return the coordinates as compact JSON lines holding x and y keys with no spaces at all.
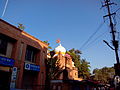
{"x":30,"y":54}
{"x":6,"y":45}
{"x":3,"y":46}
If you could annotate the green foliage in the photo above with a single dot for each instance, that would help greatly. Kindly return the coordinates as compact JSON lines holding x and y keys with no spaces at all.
{"x":81,"y":64}
{"x":75,"y":57}
{"x":46,"y":42}
{"x":53,"y":70}
{"x":21,"y":26}
{"x":104,"y":74}
{"x":84,"y":69}
{"x":49,"y":47}
{"x":52,"y":67}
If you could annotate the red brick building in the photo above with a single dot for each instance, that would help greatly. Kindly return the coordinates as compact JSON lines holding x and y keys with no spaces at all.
{"x":22,"y":58}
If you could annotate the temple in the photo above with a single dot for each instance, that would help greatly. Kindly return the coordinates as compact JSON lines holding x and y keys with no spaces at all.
{"x":67,"y":69}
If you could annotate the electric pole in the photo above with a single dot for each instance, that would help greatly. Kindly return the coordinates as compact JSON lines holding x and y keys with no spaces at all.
{"x":114,"y":41}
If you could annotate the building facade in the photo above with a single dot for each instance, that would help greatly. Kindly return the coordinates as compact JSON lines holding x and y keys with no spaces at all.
{"x":22,"y":58}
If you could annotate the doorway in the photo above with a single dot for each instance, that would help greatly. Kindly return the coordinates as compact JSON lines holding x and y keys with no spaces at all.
{"x":5,"y":80}
{"x":29,"y":78}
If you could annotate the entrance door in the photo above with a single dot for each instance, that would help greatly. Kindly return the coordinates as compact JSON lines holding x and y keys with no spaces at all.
{"x":29,"y":79}
{"x":4,"y":80}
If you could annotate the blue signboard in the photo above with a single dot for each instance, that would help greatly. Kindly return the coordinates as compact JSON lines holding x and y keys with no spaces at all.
{"x":6,"y":61}
{"x":32,"y":67}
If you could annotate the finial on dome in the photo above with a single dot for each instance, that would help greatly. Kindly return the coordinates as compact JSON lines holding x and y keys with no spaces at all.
{"x":60,"y":48}
{"x":58,"y":41}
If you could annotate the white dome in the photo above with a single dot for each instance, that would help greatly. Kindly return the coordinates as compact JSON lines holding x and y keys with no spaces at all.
{"x":61,"y":49}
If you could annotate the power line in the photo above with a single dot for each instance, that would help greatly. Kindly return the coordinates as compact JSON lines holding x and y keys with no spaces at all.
{"x":117,"y":10}
{"x":95,"y":40}
{"x":84,"y":44}
{"x":4,"y":8}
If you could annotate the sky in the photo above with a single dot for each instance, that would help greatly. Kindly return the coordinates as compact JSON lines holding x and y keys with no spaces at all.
{"x":78,"y":24}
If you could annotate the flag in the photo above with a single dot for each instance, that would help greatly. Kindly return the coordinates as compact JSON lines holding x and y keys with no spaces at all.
{"x":58,"y":41}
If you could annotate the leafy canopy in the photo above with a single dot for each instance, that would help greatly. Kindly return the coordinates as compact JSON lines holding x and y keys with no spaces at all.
{"x":82,"y":65}
{"x":104,"y":74}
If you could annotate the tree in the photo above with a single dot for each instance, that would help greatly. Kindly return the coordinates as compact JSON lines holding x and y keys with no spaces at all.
{"x":84,"y":69}
{"x":104,"y":74}
{"x":49,"y":47}
{"x":52,"y":70}
{"x":21,"y":26}
{"x":81,"y":64}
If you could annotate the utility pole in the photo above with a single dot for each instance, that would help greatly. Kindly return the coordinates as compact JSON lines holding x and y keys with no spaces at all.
{"x":114,"y":41}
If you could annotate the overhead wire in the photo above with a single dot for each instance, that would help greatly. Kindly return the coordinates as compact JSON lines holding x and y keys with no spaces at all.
{"x":84,"y":44}
{"x":117,"y":10}
{"x":4,"y":10}
{"x":90,"y":38}
{"x":94,"y":33}
{"x":95,"y":40}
